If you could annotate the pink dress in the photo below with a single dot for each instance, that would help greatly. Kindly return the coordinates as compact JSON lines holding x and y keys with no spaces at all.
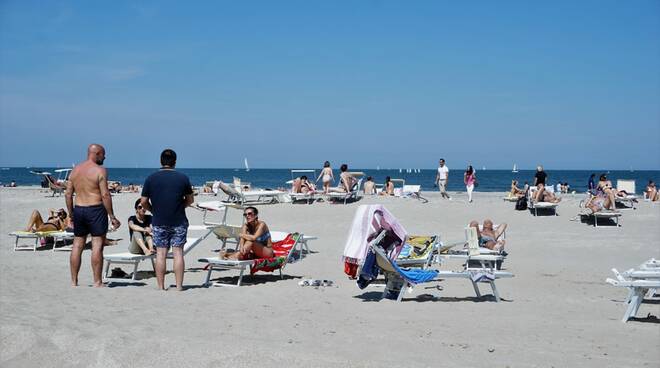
{"x":469,"y":180}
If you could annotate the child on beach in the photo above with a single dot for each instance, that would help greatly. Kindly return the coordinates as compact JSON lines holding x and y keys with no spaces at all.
{"x":328,"y":177}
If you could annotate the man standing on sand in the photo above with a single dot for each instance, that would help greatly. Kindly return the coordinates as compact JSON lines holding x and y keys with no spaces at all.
{"x":167,"y":193}
{"x":89,"y":181}
{"x":441,"y":179}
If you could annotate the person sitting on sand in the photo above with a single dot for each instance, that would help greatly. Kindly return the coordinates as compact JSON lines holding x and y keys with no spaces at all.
{"x":346,"y":181}
{"x":651,"y":192}
{"x":369,"y":187}
{"x":57,"y":221}
{"x":542,"y":195}
{"x":488,"y":236}
{"x":140,"y":232}
{"x":255,"y":240}
{"x":515,"y":191}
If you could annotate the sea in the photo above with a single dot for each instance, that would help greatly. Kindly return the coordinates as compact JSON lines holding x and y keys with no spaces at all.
{"x":489,"y":180}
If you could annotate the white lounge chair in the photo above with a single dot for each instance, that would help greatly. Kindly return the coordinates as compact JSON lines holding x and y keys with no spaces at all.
{"x":37,"y":236}
{"x":128,"y":258}
{"x":641,"y":284}
{"x":418,"y":251}
{"x":252,"y":197}
{"x":629,"y":186}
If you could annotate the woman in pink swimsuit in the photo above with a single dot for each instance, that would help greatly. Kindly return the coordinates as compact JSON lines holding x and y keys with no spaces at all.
{"x":469,"y":178}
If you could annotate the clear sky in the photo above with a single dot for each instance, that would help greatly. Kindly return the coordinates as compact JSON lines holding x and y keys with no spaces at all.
{"x":569,"y":84}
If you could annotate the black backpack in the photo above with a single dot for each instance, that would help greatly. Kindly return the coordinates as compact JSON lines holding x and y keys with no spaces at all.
{"x":521,"y":204}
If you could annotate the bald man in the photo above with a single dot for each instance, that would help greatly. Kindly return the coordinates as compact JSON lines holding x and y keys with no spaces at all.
{"x":89,"y":181}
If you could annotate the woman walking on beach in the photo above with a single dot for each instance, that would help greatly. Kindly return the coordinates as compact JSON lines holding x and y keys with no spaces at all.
{"x":469,"y":178}
{"x":326,"y":174}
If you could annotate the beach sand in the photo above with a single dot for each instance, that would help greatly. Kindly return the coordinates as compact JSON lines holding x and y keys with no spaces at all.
{"x":556,"y":312}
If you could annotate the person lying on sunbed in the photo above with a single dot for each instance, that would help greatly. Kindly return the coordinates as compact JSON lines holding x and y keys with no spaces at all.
{"x":651,"y":192}
{"x":488,"y":236}
{"x":515,"y":191}
{"x":57,"y":221}
{"x":543,"y":195}
{"x":346,"y":181}
{"x":255,"y":240}
{"x":302,"y":185}
{"x":140,"y":232}
{"x":599,"y":203}
{"x":388,"y":187}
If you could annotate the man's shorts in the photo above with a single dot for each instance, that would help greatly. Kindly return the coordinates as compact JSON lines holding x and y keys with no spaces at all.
{"x":170,"y":236}
{"x":90,"y":220}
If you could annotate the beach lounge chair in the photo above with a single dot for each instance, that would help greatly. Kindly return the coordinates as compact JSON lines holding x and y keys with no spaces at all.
{"x":629,"y":187}
{"x":285,"y":251}
{"x":128,"y":258}
{"x":253,"y":197}
{"x":535,"y":206}
{"x":401,"y":279}
{"x":58,"y":236}
{"x":472,"y":253}
{"x":641,"y":284}
{"x":353,"y":194}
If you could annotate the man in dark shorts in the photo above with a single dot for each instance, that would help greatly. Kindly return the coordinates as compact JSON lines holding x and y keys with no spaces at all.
{"x":167,"y":193}
{"x":89,"y":181}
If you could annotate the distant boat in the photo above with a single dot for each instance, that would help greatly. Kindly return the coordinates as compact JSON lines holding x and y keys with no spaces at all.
{"x":247,"y":168}
{"x":377,"y":168}
{"x":515,"y":168}
{"x":631,"y":170}
{"x":483,"y":168}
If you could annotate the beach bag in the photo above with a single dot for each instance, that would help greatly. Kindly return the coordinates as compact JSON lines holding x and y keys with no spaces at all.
{"x":521,"y":204}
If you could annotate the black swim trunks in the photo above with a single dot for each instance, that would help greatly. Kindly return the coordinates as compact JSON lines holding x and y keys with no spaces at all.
{"x":90,"y":220}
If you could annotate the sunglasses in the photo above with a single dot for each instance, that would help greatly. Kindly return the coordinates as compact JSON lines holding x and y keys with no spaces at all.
{"x":246,"y":214}
{"x":140,"y":207}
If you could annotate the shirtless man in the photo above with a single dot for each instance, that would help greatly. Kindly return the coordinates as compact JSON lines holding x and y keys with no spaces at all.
{"x":89,"y":182}
{"x":489,"y":237}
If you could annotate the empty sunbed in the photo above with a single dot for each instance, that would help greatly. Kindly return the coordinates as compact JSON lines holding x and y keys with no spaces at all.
{"x":252,"y":197}
{"x":641,"y":284}
{"x":127,"y":258}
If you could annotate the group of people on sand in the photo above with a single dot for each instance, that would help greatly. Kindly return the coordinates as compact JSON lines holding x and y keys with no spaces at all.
{"x":346,"y":181}
{"x":442,"y":177}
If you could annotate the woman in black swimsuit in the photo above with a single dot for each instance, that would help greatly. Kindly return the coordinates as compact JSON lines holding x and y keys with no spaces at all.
{"x":57,"y":221}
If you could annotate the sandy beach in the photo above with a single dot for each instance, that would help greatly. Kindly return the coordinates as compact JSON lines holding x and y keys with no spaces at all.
{"x":556,"y":312}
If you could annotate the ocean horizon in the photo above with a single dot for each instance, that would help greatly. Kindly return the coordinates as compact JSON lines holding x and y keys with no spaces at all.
{"x":490,"y":180}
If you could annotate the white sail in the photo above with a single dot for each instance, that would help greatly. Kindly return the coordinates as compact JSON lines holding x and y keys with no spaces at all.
{"x":515,"y":168}
{"x":247,"y":168}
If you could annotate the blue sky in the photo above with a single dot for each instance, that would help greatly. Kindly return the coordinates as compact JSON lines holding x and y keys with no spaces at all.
{"x":292,"y":83}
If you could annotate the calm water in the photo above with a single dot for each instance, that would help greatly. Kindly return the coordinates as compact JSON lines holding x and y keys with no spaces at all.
{"x":489,"y":180}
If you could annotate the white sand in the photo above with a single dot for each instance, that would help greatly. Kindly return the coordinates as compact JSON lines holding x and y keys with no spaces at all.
{"x":558,"y":311}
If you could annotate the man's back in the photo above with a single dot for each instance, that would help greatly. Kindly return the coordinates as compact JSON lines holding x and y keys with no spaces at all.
{"x":166,"y":190}
{"x":85,"y":179}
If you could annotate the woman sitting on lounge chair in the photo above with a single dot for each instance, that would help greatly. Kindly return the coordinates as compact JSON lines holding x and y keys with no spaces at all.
{"x":388,"y":187}
{"x":651,"y":192}
{"x":346,"y":181}
{"x":515,"y":191}
{"x":255,"y":240}
{"x":489,"y":237}
{"x":302,"y":185}
{"x":57,"y":221}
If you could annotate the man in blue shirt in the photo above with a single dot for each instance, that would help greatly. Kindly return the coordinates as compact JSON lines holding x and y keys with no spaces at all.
{"x":167,"y":193}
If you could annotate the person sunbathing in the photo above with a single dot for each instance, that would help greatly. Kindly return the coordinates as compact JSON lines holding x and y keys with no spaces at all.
{"x":346,"y":181}
{"x":255,"y":240}
{"x":302,"y":185}
{"x":599,"y":203}
{"x":651,"y":192}
{"x":369,"y":187}
{"x":388,"y":187}
{"x":57,"y":221}
{"x":488,"y":236}
{"x":515,"y":191}
{"x":542,"y":195}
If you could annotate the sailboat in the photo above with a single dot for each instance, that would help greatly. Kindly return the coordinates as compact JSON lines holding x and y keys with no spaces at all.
{"x":247,"y":168}
{"x":515,"y":168}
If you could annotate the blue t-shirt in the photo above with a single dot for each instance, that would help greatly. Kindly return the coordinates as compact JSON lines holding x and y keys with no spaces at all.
{"x":166,"y":190}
